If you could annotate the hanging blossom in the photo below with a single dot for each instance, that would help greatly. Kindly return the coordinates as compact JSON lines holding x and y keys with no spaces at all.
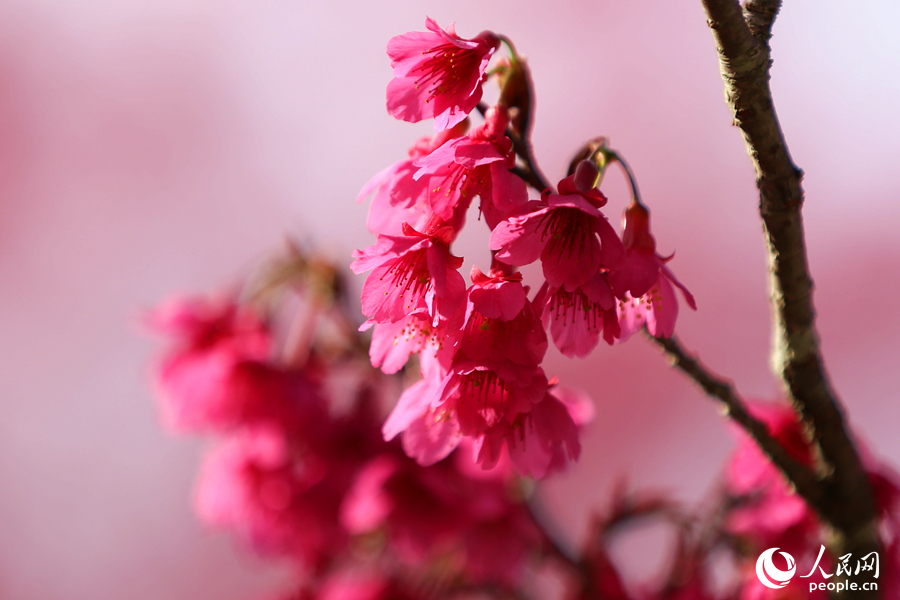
{"x":566,"y":231}
{"x":577,"y":246}
{"x":397,"y":196}
{"x":474,"y":165}
{"x":643,"y":283}
{"x":437,"y":74}
{"x":491,"y":386}
{"x":577,"y":318}
{"x":408,"y":270}
{"x":393,"y":343}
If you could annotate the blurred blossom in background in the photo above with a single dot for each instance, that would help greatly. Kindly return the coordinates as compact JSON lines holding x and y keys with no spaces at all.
{"x":148,"y":148}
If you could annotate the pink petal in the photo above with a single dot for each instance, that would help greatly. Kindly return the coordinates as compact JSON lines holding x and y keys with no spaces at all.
{"x":664,"y":310}
{"x":406,"y":102}
{"x":503,"y":300}
{"x":688,"y":297}
{"x":366,"y":505}
{"x":431,"y":438}
{"x":471,"y":154}
{"x":413,"y":403}
{"x":393,"y":343}
{"x":516,"y":240}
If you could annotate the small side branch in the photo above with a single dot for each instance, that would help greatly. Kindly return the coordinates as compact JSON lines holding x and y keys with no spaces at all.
{"x":803,"y":480}
{"x":760,"y":15}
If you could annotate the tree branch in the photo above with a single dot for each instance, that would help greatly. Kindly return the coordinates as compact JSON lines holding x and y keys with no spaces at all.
{"x":803,"y":480}
{"x":760,"y":14}
{"x":744,"y":62}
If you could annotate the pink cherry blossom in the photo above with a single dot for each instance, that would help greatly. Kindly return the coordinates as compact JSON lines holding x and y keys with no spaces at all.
{"x":474,"y":165}
{"x":772,"y":514}
{"x":430,"y":433}
{"x":215,"y":376}
{"x":253,"y":484}
{"x":398,"y":197}
{"x":643,"y":282}
{"x":535,"y":440}
{"x":494,"y":376}
{"x":408,"y":270}
{"x":566,"y":231}
{"x":576,"y":318}
{"x":393,"y":343}
{"x":481,"y":522}
{"x":500,"y":322}
{"x":437,"y":74}
{"x":657,"y":309}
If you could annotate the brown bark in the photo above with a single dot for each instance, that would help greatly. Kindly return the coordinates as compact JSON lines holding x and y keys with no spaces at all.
{"x":742,"y":35}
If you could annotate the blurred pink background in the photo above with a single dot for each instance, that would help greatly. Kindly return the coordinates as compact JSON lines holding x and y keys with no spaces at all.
{"x":154,"y":147}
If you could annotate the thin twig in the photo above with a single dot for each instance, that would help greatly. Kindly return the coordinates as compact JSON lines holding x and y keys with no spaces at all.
{"x":528,"y":171}
{"x":803,"y":480}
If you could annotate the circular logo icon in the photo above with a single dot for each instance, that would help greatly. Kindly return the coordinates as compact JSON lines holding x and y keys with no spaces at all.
{"x":770,"y":575}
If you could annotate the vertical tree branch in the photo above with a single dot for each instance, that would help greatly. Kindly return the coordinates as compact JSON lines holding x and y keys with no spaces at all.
{"x":742,"y":39}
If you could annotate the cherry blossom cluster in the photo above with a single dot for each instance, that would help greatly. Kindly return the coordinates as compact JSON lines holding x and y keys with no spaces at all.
{"x":328,"y":456}
{"x":280,"y":376}
{"x":481,"y":346}
{"x":301,"y":471}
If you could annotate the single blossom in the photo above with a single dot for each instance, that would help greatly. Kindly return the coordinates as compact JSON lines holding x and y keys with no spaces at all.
{"x":437,"y":74}
{"x":577,"y":317}
{"x":500,"y":322}
{"x":643,"y":282}
{"x":566,"y":231}
{"x":474,"y":165}
{"x":408,"y":270}
{"x":429,"y":433}
{"x":397,"y":196}
{"x":536,"y":440}
{"x":393,"y":343}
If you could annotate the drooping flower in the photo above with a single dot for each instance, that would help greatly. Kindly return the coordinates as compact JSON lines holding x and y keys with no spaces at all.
{"x":491,"y":388}
{"x":397,"y":196}
{"x":536,"y":440}
{"x":429,"y":433}
{"x":494,"y":373}
{"x":643,"y":282}
{"x":437,"y":74}
{"x":410,"y":270}
{"x":577,"y":317}
{"x":474,"y":165}
{"x":566,"y":231}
